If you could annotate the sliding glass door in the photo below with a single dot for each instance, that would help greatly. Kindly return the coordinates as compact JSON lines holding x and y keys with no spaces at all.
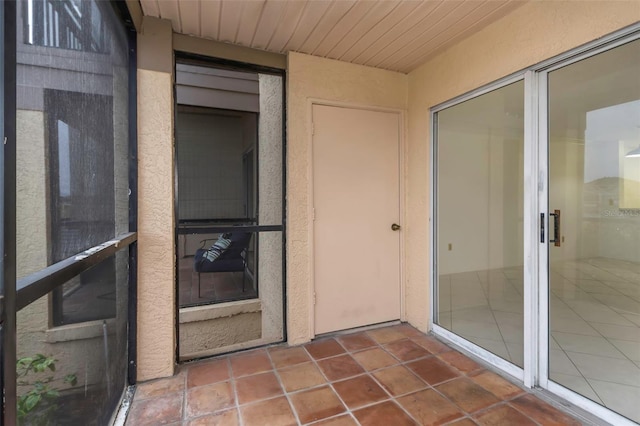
{"x":593,"y":244}
{"x":536,"y":225}
{"x":480,"y":174}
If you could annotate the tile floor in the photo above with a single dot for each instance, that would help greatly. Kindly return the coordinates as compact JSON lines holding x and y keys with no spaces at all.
{"x":594,"y":319}
{"x":388,"y":376}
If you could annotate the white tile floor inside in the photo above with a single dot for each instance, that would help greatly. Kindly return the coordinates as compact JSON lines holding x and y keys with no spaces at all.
{"x":594,"y":318}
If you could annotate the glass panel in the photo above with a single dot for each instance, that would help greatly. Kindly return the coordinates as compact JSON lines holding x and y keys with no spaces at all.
{"x":89,"y":359}
{"x":245,"y":322}
{"x":72,"y":144}
{"x":217,"y":267}
{"x":216,"y":155}
{"x":72,"y":136}
{"x":594,"y":182}
{"x":480,"y":220}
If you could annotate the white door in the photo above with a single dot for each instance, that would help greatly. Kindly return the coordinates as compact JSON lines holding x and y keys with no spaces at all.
{"x":356,"y":200}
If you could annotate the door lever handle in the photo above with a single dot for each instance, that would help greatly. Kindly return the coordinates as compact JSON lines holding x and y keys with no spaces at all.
{"x":395,"y":227}
{"x":556,"y":228}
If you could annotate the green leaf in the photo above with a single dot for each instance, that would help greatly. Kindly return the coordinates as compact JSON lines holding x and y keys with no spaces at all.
{"x":31,"y":401}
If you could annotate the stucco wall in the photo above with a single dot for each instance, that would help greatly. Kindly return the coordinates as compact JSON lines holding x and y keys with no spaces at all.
{"x":156,"y":253}
{"x":532,"y":33}
{"x":311,"y":77}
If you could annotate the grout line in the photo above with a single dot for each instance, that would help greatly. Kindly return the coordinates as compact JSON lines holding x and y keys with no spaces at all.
{"x":284,"y":390}
{"x":234,"y":388}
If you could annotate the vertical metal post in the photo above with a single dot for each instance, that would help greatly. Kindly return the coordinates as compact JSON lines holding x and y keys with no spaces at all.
{"x":133,"y":208}
{"x":8,"y":209}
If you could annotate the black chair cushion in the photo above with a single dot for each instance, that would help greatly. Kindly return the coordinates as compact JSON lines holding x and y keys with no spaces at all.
{"x":230,"y":260}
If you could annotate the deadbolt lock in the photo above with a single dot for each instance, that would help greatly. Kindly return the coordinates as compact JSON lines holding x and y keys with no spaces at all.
{"x":395,"y":227}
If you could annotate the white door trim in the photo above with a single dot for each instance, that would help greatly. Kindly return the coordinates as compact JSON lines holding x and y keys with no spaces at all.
{"x":310,"y":205}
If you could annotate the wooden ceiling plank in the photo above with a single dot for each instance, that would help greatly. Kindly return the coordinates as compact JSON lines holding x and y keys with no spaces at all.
{"x":230,"y":20}
{"x":190,"y":17}
{"x":311,"y":16}
{"x":424,"y":43}
{"x":491,"y":11}
{"x":397,"y":15}
{"x":268,"y":23}
{"x":443,"y":9}
{"x":409,"y":24}
{"x":210,"y":18}
{"x":328,"y":21}
{"x":251,"y":12}
{"x":343,"y":26}
{"x":288,"y":25}
{"x":373,"y":18}
{"x":150,"y":8}
{"x":169,"y":10}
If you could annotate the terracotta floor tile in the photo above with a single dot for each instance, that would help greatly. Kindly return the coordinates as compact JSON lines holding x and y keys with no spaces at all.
{"x":207,"y":373}
{"x":384,"y":414}
{"x":356,"y":341}
{"x":408,"y":330}
{"x":406,"y":350}
{"x":373,"y":359}
{"x":360,"y":391}
{"x":467,"y":395}
{"x":460,"y":361}
{"x":222,"y":418}
{"x":253,"y":363}
{"x":344,"y":420}
{"x":209,"y":398}
{"x":432,"y":370}
{"x":160,"y":387}
{"x":324,"y":348}
{"x":156,"y":411}
{"x":286,"y":357}
{"x":340,"y":367}
{"x":257,"y":387}
{"x":503,"y":415}
{"x":399,"y":380}
{"x":273,"y":412}
{"x":385,"y":335}
{"x":495,"y":384}
{"x":431,"y":344}
{"x":301,"y":376}
{"x":429,"y":407}
{"x":316,"y":404}
{"x":541,"y":411}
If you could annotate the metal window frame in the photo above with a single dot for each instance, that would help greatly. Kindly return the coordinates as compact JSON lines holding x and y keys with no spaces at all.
{"x":8,"y":200}
{"x":190,"y":58}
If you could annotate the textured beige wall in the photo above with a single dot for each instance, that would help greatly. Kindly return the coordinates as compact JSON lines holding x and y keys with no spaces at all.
{"x":532,"y":33}
{"x":318,"y":78}
{"x":156,"y":260}
{"x":156,"y":247}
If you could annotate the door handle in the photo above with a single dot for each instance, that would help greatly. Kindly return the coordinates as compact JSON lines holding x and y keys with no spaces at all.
{"x":557,"y":238}
{"x":395,"y":227}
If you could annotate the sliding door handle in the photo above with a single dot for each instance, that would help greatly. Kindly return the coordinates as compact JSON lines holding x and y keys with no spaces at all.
{"x":557,"y":238}
{"x":542,"y":240}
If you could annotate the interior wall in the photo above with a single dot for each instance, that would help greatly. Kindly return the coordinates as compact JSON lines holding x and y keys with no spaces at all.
{"x":309,"y":78}
{"x":532,"y":33}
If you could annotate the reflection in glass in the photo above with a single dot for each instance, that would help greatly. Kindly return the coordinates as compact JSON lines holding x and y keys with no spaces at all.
{"x":72,"y":123}
{"x":594,"y":294}
{"x":480,"y":172}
